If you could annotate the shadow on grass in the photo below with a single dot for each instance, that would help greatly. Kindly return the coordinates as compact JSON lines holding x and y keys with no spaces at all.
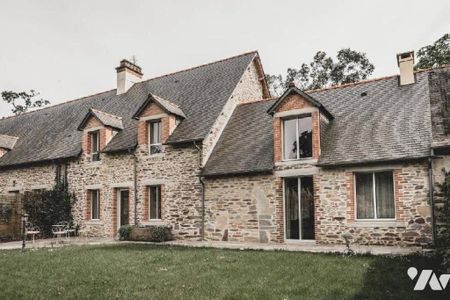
{"x":386,"y":278}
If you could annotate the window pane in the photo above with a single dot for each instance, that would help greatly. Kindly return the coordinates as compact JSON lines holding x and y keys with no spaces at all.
{"x":307,"y":208}
{"x":95,"y":204}
{"x":305,"y":136}
{"x":290,"y":139}
{"x":154,"y":132}
{"x":384,"y":191}
{"x":291,"y":208}
{"x":155,"y":202}
{"x":94,"y":142}
{"x":364,"y":196}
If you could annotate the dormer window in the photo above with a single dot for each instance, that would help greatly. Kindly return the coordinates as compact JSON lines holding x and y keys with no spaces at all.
{"x":95,"y":145}
{"x":297,"y":137}
{"x":154,"y":131}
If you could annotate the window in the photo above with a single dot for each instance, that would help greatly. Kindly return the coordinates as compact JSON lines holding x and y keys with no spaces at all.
{"x":374,"y":195}
{"x":155,"y":202}
{"x":154,"y":138}
{"x":297,"y":138}
{"x":95,"y":145}
{"x":61,"y":174}
{"x":95,"y":204}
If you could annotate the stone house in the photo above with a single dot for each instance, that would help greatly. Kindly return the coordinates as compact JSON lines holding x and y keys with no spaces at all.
{"x":208,"y":152}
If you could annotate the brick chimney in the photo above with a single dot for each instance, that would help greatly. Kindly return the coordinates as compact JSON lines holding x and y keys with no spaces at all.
{"x":405,"y":62}
{"x":127,"y":74}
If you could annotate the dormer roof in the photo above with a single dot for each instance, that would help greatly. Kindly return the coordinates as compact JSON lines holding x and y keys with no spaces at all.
{"x":105,"y":118}
{"x":294,"y":90}
{"x":7,"y":142}
{"x":164,"y":104}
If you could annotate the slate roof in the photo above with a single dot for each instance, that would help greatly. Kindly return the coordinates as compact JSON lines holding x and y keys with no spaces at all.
{"x":201,"y":92}
{"x":105,"y":118}
{"x":7,"y":142}
{"x":246,"y":144}
{"x":389,"y":123}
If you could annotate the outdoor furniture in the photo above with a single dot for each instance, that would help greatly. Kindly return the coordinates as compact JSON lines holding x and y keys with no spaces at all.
{"x":71,"y":229}
{"x":59,"y":230}
{"x":32,"y":230}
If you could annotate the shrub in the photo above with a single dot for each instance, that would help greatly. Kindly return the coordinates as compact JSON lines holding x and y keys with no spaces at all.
{"x":6,"y":211}
{"x":47,"y":208}
{"x":125,"y":232}
{"x":160,"y":233}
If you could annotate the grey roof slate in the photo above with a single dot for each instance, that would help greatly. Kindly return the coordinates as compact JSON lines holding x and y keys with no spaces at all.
{"x":7,"y":141}
{"x":391,"y":122}
{"x":246,"y":144}
{"x":163,"y":103}
{"x":105,"y":118}
{"x":201,"y":92}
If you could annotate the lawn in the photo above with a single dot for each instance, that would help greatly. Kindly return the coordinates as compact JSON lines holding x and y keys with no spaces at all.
{"x":162,"y":272}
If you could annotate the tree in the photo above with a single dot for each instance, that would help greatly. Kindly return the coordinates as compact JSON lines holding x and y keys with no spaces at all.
{"x":435,"y":55}
{"x":26,"y":101}
{"x":323,"y":71}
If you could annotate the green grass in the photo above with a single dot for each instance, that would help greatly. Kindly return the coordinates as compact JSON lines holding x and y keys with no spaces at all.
{"x":161,"y":272}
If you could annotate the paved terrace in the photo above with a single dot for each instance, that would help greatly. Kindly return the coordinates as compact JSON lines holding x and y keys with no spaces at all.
{"x":299,"y":246}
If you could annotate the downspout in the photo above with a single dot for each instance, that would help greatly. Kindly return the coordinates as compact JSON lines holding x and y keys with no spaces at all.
{"x":431,"y":189}
{"x":135,"y":186}
{"x":203,"y":191}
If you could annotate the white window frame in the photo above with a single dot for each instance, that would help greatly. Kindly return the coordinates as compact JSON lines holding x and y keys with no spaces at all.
{"x":158,"y":208}
{"x":296,"y":117}
{"x":91,"y":137}
{"x":374,"y":196}
{"x":92,"y":203}
{"x":149,"y":137}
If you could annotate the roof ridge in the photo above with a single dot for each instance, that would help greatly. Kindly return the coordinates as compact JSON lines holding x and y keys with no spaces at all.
{"x":55,"y":105}
{"x":372,"y":80}
{"x":259,"y":100}
{"x":202,"y":65}
{"x":111,"y":115}
{"x":160,"y":76}
{"x":7,"y":135}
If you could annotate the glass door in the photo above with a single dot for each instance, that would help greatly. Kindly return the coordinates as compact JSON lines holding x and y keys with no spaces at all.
{"x":299,"y":208}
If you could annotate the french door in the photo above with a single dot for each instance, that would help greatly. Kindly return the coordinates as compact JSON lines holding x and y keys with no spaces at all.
{"x":123,"y":205}
{"x":299,"y":208}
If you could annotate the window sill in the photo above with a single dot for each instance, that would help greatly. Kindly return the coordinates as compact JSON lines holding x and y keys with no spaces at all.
{"x":375,"y":223}
{"x":296,"y":161}
{"x":154,"y":222}
{"x":157,"y":155}
{"x":95,"y":163}
{"x":94,"y":222}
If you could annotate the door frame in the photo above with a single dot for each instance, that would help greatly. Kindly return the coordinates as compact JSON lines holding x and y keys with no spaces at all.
{"x":299,"y":210}
{"x":119,"y":205}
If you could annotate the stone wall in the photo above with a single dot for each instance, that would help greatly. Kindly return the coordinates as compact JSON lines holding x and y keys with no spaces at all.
{"x":248,"y":89}
{"x":176,"y":170}
{"x":241,"y":209}
{"x":27,"y":178}
{"x":412,"y":225}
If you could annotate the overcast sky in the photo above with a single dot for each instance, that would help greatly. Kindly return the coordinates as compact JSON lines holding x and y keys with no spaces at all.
{"x":69,"y":49}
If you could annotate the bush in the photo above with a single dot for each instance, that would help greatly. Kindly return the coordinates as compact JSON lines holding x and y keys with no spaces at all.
{"x":125,"y":232}
{"x":160,"y":234}
{"x":153,"y":233}
{"x":47,"y":208}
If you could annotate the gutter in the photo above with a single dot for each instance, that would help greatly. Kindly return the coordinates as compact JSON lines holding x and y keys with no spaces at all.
{"x":201,"y":178}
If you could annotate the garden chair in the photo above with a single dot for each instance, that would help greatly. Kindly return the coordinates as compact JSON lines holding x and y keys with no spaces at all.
{"x":71,"y":229}
{"x":32,"y":230}
{"x":59,"y":230}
